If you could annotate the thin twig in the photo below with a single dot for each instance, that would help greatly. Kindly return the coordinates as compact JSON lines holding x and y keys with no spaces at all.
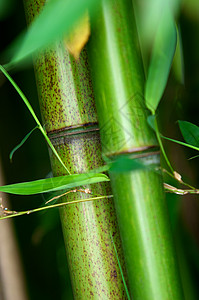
{"x":86,"y":191}
{"x":16,"y":214}
{"x":179,"y":179}
{"x":171,"y":189}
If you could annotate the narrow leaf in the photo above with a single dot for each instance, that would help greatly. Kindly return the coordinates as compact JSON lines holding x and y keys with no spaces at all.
{"x":154,"y":125}
{"x":121,"y":271}
{"x":21,"y":143}
{"x":25,"y":100}
{"x":126,"y":164}
{"x":196,"y":156}
{"x":78,"y":36}
{"x":55,"y":20}
{"x":151,"y":121}
{"x":162,"y":56}
{"x":178,"y":60}
{"x":53,"y":184}
{"x":190,"y":133}
{"x":120,"y":164}
{"x":181,"y":143}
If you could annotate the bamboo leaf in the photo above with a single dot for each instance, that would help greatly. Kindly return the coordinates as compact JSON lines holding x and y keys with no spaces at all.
{"x":21,"y":143}
{"x":120,"y":164}
{"x":154,"y":125}
{"x":78,"y":36}
{"x":162,"y":56}
{"x":193,"y":157}
{"x":47,"y":28}
{"x":190,"y":133}
{"x":150,"y":14}
{"x":53,"y":184}
{"x":25,"y":100}
{"x":178,"y":60}
{"x":121,"y":271}
{"x":180,"y":143}
{"x":126,"y":164}
{"x":151,"y":121}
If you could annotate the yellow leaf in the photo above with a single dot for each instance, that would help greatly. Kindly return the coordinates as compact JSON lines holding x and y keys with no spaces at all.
{"x":78,"y":36}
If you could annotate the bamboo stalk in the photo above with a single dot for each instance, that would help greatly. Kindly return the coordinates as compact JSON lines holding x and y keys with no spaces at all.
{"x":139,"y":196}
{"x":69,"y":115}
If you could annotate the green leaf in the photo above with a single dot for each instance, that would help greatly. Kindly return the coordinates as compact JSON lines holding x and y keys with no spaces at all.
{"x":154,"y":125}
{"x":181,"y":143}
{"x":22,"y":142}
{"x":193,"y":157}
{"x":120,"y":164}
{"x":53,"y":184}
{"x":150,"y":14}
{"x":121,"y":271}
{"x":162,"y":56}
{"x":178,"y":60}
{"x":126,"y":164}
{"x":152,"y":121}
{"x":190,"y":133}
{"x":25,"y":100}
{"x":55,"y":20}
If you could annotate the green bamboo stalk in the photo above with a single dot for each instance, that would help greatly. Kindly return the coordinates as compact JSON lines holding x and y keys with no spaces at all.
{"x":69,"y":115}
{"x":139,"y":196}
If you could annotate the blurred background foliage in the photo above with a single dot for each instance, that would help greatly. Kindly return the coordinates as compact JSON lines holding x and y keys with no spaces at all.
{"x":39,"y":235}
